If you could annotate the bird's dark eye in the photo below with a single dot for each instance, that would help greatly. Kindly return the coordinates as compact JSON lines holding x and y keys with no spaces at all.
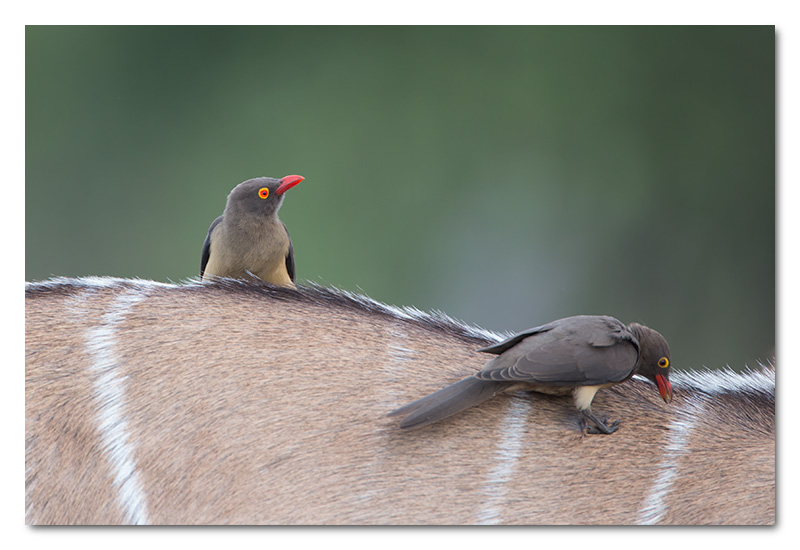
{"x":663,"y":362}
{"x":263,"y":192}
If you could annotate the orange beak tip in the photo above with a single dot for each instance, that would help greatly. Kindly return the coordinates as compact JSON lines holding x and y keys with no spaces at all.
{"x":664,"y":388}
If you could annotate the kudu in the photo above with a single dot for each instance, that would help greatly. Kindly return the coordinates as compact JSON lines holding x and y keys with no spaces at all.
{"x":234,"y":403}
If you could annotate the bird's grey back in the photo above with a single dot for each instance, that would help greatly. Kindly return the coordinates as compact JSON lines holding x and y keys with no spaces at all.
{"x":582,"y":350}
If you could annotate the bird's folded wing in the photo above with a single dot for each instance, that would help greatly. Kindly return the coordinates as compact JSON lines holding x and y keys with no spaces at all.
{"x":497,"y":349}
{"x":289,"y":255}
{"x":560,"y":357}
{"x":206,"y":254}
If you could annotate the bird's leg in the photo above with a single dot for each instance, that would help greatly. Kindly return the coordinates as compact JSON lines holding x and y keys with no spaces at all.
{"x":600,"y":426}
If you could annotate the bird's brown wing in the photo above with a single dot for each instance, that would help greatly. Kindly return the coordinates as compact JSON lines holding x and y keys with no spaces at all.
{"x":497,"y":349}
{"x":206,"y":253}
{"x":576,"y":351}
{"x":289,"y":255}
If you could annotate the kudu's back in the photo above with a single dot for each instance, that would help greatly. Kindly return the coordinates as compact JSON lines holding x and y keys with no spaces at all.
{"x":233,"y":403}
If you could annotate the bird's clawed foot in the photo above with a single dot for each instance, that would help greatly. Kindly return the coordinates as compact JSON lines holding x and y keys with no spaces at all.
{"x":600,"y":426}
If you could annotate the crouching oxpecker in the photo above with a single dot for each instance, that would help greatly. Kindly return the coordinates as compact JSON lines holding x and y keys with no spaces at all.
{"x":248,"y":240}
{"x":575,"y":356}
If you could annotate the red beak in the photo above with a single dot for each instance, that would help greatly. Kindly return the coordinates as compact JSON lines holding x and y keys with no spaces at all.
{"x":664,"y":387}
{"x":287,"y":183}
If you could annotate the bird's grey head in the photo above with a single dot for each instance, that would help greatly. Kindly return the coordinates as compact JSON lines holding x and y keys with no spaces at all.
{"x":260,"y":197}
{"x":654,"y":359}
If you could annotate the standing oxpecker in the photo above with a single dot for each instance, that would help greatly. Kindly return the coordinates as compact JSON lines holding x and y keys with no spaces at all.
{"x":248,"y":240}
{"x":575,"y":356}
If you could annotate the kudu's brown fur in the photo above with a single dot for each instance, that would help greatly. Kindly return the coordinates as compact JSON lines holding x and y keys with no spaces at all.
{"x":237,"y":403}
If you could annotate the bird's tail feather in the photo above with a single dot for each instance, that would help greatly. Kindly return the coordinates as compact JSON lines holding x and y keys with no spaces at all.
{"x":448,"y":401}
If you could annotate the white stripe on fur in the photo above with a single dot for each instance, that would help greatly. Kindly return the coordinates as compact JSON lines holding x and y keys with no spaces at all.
{"x":509,"y":448}
{"x":678,"y":439}
{"x":109,"y":395}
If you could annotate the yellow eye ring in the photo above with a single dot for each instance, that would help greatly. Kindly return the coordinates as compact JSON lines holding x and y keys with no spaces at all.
{"x":263,"y":192}
{"x":663,"y":362}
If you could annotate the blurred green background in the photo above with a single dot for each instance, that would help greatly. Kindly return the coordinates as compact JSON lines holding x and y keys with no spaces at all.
{"x":507,"y":176}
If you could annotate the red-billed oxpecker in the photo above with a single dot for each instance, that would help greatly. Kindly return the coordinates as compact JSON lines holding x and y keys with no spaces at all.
{"x":248,"y":240}
{"x":575,"y":356}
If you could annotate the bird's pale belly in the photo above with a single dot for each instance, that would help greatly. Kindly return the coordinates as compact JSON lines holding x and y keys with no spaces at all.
{"x":268,"y":268}
{"x":582,"y":395}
